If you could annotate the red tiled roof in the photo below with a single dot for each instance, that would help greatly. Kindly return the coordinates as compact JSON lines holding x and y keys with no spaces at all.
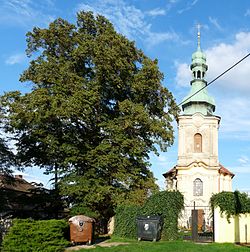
{"x":225,"y":171}
{"x":171,"y":171}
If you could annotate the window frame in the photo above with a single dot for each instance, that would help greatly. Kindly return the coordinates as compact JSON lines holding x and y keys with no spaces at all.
{"x":197,"y":187}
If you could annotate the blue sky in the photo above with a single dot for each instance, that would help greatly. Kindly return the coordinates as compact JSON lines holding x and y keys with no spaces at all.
{"x":165,"y":30}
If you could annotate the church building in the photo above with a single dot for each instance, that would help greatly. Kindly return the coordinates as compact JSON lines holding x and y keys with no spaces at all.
{"x":198,"y":173}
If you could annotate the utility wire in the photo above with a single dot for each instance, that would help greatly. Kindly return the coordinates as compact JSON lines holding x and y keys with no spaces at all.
{"x":214,"y":79}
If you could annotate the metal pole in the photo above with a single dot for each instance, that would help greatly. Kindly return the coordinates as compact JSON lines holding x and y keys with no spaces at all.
{"x":246,"y":233}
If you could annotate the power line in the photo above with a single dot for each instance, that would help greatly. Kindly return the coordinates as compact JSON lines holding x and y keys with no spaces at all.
{"x":214,"y":79}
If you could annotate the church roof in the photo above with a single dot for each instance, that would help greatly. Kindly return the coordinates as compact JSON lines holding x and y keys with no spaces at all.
{"x":222,"y":170}
{"x":225,"y":171}
{"x":170,"y":172}
{"x":198,"y":99}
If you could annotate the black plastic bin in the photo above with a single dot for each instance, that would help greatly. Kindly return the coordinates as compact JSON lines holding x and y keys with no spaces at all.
{"x":149,"y":228}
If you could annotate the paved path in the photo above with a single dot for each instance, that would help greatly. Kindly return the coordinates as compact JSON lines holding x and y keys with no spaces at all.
{"x":101,"y":244}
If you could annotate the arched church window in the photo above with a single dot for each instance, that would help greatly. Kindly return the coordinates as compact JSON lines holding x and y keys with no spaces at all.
{"x":203,"y":74}
{"x":198,"y":187}
{"x":197,"y":142}
{"x":199,"y":74}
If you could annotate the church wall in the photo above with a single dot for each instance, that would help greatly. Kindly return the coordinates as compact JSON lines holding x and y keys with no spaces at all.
{"x":225,"y":183}
{"x":207,"y":126}
{"x":186,"y":180}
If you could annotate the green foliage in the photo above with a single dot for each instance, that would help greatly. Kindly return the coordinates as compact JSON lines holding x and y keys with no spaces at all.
{"x":168,"y":204}
{"x":81,"y":209}
{"x":27,"y":235}
{"x":95,"y":112}
{"x":231,"y":203}
{"x":125,"y":220}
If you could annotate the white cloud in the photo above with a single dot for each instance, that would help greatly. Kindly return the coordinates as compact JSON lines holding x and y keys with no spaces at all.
{"x":215,"y":22}
{"x":243,"y":160}
{"x":189,"y":6}
{"x":222,"y":56}
{"x":15,"y":59}
{"x":235,"y":123}
{"x":154,"y":38}
{"x":241,"y":169}
{"x":156,"y":12}
{"x":25,"y":12}
{"x":162,"y":159}
{"x":35,"y":174}
{"x":129,"y":20}
{"x":183,"y":75}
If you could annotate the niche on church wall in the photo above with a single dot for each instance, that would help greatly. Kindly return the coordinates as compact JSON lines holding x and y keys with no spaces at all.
{"x":198,"y":142}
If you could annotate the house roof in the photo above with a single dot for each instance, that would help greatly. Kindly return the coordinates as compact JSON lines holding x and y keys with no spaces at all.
{"x":16,"y":183}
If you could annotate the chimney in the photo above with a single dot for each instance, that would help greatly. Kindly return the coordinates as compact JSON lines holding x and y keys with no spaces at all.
{"x":18,"y":176}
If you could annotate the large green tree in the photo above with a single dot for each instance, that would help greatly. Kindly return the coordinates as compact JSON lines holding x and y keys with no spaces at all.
{"x":96,"y":109}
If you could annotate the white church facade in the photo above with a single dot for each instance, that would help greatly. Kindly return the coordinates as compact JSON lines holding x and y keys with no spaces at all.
{"x":198,"y":173}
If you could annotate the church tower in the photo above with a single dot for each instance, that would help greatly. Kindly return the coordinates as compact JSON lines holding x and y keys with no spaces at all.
{"x":198,"y":173}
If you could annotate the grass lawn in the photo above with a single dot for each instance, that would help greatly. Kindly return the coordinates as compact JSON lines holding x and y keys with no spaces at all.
{"x":173,"y":246}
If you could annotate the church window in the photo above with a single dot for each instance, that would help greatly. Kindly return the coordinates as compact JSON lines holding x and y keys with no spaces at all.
{"x":199,"y":74}
{"x":197,"y":142}
{"x":198,"y":187}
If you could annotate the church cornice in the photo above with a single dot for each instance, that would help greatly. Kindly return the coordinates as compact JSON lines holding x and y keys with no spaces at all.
{"x":197,"y":164}
{"x":190,"y":116}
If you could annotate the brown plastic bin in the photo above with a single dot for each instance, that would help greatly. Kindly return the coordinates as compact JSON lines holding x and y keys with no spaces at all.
{"x":81,"y":229}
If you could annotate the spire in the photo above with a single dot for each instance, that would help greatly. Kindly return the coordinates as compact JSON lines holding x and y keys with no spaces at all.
{"x":199,"y":37}
{"x":201,"y":102}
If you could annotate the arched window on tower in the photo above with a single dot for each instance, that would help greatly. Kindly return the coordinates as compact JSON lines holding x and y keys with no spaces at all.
{"x":197,"y":142}
{"x":199,"y":74}
{"x":198,"y":187}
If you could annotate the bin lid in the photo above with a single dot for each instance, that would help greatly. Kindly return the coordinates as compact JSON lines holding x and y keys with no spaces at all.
{"x":150,"y":217}
{"x":77,"y":218}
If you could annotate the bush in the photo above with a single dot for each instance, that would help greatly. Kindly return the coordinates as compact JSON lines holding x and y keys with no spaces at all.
{"x":27,"y":235}
{"x":168,"y":204}
{"x":125,"y":221}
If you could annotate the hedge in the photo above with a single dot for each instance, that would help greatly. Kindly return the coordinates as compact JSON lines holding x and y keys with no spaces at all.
{"x":231,"y":203}
{"x":27,"y":235}
{"x":125,"y":221}
{"x":168,"y":204}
